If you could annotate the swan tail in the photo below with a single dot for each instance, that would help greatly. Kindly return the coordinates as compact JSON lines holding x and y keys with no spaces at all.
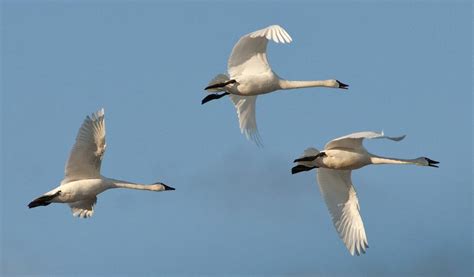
{"x":43,"y":200}
{"x":310,"y":152}
{"x":218,"y":83}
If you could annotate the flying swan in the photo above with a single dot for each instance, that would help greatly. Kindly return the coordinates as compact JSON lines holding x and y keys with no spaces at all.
{"x":334,"y":166}
{"x":251,"y":75}
{"x":82,"y":181}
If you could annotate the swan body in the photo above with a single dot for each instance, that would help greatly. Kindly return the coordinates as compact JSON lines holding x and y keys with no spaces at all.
{"x":334,"y":166}
{"x":251,"y":85}
{"x":343,"y":159}
{"x":250,"y":74}
{"x":83,"y":182}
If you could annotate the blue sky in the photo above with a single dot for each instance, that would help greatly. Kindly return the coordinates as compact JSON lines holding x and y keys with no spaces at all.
{"x":236,"y":208}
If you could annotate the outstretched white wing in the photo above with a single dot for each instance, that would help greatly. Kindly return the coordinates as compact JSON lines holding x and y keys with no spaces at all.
{"x":83,"y":208}
{"x":354,"y":141}
{"x":341,"y":200}
{"x":245,"y":106}
{"x":86,"y":154}
{"x":249,"y":55}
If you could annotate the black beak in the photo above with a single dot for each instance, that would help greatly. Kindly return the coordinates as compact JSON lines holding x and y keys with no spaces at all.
{"x":301,"y":168}
{"x":432,"y":163}
{"x":168,"y":187}
{"x":212,"y":97}
{"x":342,"y":85}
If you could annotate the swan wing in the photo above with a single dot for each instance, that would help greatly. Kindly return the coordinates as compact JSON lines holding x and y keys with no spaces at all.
{"x":87,"y":153}
{"x":341,"y":200}
{"x":83,"y":208}
{"x":354,"y":140}
{"x":245,"y":106}
{"x":249,"y":55}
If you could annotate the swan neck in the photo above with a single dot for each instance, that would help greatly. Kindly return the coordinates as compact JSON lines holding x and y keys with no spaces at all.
{"x":374,"y":159}
{"x":286,"y":84}
{"x":127,"y":185}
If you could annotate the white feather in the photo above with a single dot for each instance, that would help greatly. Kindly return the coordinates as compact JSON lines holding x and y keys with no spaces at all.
{"x":248,"y":66}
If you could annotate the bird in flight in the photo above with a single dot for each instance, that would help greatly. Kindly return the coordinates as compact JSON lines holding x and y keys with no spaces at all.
{"x":82,"y":181}
{"x":250,"y":74}
{"x":334,"y":166}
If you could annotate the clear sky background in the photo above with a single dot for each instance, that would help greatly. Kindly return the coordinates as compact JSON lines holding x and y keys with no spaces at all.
{"x":236,"y":208}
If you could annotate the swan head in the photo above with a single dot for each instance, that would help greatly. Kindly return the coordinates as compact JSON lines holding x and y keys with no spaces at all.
{"x":427,"y":162}
{"x":160,"y":187}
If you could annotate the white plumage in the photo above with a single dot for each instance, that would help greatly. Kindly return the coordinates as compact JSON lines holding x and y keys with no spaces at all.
{"x":250,"y":75}
{"x":334,"y":167}
{"x":86,"y":155}
{"x":249,"y":55}
{"x":82,"y":179}
{"x":343,"y":205}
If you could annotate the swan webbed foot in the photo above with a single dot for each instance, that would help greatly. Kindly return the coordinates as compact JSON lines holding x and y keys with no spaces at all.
{"x":342,"y":85}
{"x":44,"y":200}
{"x":301,"y":168}
{"x":213,"y":96}
{"x":310,"y":158}
{"x":432,"y":163}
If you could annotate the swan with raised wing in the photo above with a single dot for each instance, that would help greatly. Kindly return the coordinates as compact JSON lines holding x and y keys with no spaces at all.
{"x":334,"y":166}
{"x":250,"y":75}
{"x":82,"y":181}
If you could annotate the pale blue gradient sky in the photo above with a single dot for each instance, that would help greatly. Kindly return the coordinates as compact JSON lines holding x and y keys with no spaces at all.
{"x":236,"y":208}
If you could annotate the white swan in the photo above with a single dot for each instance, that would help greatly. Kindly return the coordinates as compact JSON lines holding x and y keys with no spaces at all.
{"x":82,"y":181}
{"x":334,"y":166}
{"x":251,"y":75}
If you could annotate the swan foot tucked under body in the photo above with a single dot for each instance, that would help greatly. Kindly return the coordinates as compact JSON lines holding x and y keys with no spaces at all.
{"x":310,"y":158}
{"x":217,"y":87}
{"x":220,"y":85}
{"x":300,"y":168}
